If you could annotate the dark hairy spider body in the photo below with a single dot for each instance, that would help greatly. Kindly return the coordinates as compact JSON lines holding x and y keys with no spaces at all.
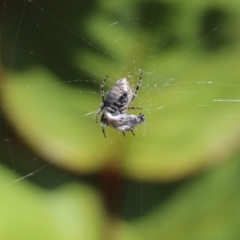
{"x":116,"y":104}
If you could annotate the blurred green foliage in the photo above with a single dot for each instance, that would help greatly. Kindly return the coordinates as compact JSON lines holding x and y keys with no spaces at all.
{"x":54,"y":56}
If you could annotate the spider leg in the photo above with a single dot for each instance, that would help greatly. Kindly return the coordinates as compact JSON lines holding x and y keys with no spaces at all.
{"x":133,"y":133}
{"x":134,"y":108}
{"x":138,"y":86}
{"x":104,"y":132}
{"x":102,"y":87}
{"x":98,"y":112}
{"x":124,"y":134}
{"x":102,"y":95}
{"x":124,"y":109}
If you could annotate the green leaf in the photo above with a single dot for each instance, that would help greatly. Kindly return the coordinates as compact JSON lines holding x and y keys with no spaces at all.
{"x":27,"y":212}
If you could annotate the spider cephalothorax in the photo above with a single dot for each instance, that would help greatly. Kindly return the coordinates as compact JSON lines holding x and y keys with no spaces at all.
{"x":116,"y":104}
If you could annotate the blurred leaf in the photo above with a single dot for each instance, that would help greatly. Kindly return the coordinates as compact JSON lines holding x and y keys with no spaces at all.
{"x":189,"y":125}
{"x":70,"y":212}
{"x":205,"y":209}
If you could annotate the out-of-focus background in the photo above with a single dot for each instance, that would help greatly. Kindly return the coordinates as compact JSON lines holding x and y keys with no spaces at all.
{"x":178,"y":178}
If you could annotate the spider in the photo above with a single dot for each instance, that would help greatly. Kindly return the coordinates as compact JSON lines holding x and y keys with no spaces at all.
{"x":124,"y":122}
{"x":116,"y":105}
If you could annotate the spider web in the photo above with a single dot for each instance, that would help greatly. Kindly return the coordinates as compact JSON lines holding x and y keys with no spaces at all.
{"x":54,"y":58}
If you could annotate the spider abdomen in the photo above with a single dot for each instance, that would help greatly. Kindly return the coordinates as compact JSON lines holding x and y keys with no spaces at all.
{"x":119,"y":89}
{"x":116,"y":104}
{"x":124,"y":122}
